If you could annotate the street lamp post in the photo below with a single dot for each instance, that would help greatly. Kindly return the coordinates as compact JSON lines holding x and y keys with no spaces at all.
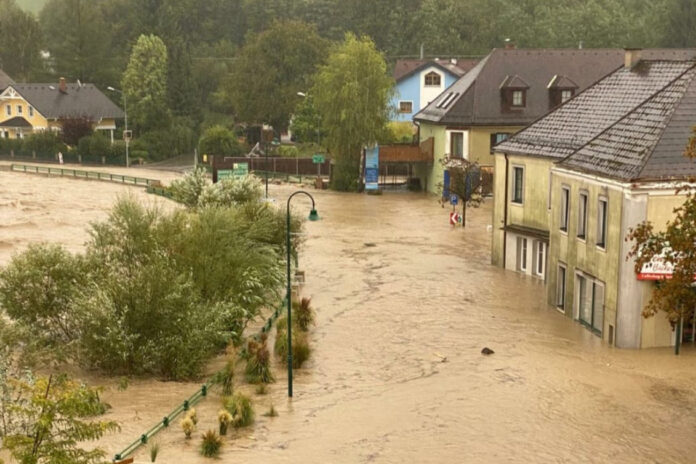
{"x":313,"y":216}
{"x":125,"y":111}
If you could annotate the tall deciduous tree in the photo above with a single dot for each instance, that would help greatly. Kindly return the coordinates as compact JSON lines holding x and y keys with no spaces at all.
{"x":56,"y":417}
{"x":145,"y":84}
{"x":78,"y":40}
{"x":270,"y":70}
{"x":352,"y":93}
{"x":680,"y":26}
{"x":20,"y":42}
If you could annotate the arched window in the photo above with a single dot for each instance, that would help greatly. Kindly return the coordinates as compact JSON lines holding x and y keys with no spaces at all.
{"x":432,"y":79}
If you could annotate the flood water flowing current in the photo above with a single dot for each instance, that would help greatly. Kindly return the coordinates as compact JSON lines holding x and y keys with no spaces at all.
{"x":404,"y":306}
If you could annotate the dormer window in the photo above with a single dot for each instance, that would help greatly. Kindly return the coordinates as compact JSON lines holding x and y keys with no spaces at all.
{"x":561,"y":89}
{"x":432,"y":79}
{"x":513,"y":93}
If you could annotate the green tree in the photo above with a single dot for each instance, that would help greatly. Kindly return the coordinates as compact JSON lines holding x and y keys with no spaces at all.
{"x":680,"y":24}
{"x":57,"y":415}
{"x":145,"y":84}
{"x":20,"y":42}
{"x":306,"y":122}
{"x":270,"y":69}
{"x":218,"y":140}
{"x":352,"y":93}
{"x":78,"y":40}
{"x":675,"y":246}
{"x":37,"y":290}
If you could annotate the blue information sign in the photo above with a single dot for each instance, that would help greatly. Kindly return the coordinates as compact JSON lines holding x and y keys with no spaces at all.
{"x":454,"y":199}
{"x":372,"y":168}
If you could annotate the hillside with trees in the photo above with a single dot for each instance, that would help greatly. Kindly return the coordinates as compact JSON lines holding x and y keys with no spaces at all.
{"x":232,"y":62}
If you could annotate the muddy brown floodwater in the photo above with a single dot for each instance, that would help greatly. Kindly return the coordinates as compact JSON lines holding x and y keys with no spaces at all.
{"x":404,"y":306}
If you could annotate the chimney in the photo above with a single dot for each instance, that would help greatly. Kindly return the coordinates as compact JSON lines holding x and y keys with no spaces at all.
{"x":631,"y":57}
{"x":509,"y":45}
{"x":62,"y":86}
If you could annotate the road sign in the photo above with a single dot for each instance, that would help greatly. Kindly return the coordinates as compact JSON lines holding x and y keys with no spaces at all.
{"x":318,"y":158}
{"x":454,"y":218}
{"x":127,"y":135}
{"x":372,"y":168}
{"x":238,"y":171}
{"x":454,"y":199}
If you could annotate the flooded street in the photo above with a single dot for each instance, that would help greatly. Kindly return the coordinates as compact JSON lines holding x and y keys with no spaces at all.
{"x":404,"y":306}
{"x":378,"y":391}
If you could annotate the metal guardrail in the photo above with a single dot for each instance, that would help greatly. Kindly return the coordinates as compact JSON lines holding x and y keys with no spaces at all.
{"x":162,"y":192}
{"x":164,"y":423}
{"x":289,"y":178}
{"x":83,"y":174}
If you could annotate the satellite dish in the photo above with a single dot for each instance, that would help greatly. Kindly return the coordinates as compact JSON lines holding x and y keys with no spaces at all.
{"x":51,"y":87}
{"x":79,"y":84}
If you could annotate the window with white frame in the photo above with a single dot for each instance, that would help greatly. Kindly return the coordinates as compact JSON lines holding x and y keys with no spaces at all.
{"x":457,"y":144}
{"x":8,"y":110}
{"x":561,"y":287}
{"x":590,"y":302}
{"x":517,"y":184}
{"x":540,"y":265}
{"x":582,"y":215}
{"x":521,"y":253}
{"x":19,"y":109}
{"x":565,"y":208}
{"x":518,"y":98}
{"x":566,"y":94}
{"x":31,"y":111}
{"x":602,"y":222}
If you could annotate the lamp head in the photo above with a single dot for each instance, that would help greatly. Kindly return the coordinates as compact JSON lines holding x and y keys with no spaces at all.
{"x":313,"y":215}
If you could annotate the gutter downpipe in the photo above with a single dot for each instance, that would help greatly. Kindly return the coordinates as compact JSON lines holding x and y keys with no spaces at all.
{"x":505,"y":212}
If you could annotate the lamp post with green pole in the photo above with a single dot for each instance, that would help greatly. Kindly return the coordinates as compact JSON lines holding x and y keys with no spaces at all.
{"x":313,"y":216}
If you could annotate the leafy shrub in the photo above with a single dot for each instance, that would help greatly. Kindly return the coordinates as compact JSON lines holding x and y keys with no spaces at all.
{"x":84,"y":145}
{"x":99,"y":145}
{"x":303,"y":313}
{"x":271,"y":412}
{"x":301,"y":350}
{"x":288,"y":151}
{"x":191,"y":414}
{"x":187,"y":426}
{"x":189,"y":188}
{"x":38,"y":289}
{"x":211,"y":444}
{"x":241,"y":408}
{"x":155,"y":293}
{"x":218,"y":140}
{"x":154,"y":450}
{"x":225,"y":378}
{"x":231,"y":191}
{"x":258,"y":366}
{"x":45,"y":142}
{"x":224,"y":419}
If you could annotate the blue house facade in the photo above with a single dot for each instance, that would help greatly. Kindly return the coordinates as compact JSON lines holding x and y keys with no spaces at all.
{"x":418,"y":82}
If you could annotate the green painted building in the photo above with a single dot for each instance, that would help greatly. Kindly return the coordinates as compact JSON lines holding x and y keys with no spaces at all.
{"x":569,"y":187}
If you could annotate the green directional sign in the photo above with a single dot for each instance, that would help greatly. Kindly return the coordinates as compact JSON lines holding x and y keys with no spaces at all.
{"x":318,"y":159}
{"x":239,"y":170}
